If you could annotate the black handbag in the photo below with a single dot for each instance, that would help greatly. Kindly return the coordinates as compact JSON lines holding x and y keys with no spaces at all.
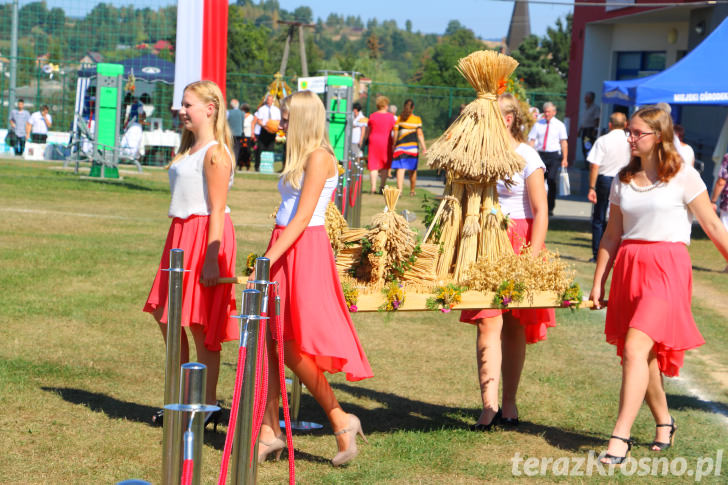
{"x":11,"y":138}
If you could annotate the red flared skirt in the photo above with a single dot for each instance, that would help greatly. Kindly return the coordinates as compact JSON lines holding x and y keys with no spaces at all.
{"x":313,"y":308}
{"x":211,"y":307}
{"x":651,"y":291}
{"x":535,"y":321}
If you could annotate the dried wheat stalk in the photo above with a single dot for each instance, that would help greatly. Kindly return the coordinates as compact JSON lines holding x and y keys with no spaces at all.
{"x":476,"y":146}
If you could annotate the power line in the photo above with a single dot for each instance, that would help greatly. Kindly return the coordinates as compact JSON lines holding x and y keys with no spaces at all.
{"x":623,"y":3}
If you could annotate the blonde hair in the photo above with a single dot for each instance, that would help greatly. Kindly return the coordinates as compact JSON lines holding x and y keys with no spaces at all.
{"x":306,"y":133}
{"x":209,"y":92}
{"x":382,"y":102}
{"x":509,"y":105}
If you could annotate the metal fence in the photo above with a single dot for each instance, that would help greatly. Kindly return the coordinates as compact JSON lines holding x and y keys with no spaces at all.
{"x":438,"y":106}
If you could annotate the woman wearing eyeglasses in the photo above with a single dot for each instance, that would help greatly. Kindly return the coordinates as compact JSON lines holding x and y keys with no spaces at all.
{"x":649,"y":318}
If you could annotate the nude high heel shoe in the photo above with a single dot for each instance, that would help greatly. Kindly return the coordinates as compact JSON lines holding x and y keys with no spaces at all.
{"x":265,"y":448}
{"x":352,"y":429}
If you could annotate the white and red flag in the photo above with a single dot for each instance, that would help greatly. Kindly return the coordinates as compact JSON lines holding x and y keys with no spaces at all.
{"x":201,"y":48}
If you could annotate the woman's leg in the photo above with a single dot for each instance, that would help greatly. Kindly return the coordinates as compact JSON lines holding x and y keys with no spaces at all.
{"x":657,"y":401}
{"x":488,"y":354}
{"x":400,"y":179}
{"x":211,"y":359}
{"x":413,"y":180}
{"x":312,"y":377}
{"x":184,"y":345}
{"x":383,"y":173}
{"x":373,"y":174}
{"x":513,"y":346}
{"x":635,"y":378}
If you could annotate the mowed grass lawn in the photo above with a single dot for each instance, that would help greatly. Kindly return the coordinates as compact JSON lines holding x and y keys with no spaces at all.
{"x":82,"y":368}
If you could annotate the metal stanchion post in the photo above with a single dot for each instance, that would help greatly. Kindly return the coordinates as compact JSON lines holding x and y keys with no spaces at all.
{"x":295,"y":407}
{"x":261,"y":283}
{"x":172,"y":433}
{"x":192,"y":411}
{"x":244,"y":469}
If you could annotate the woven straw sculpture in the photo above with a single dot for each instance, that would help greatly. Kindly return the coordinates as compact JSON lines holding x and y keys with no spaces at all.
{"x":475,"y":152}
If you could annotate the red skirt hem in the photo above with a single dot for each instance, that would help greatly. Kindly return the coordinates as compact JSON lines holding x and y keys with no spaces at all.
{"x":211,"y":307}
{"x":651,"y":291}
{"x":535,"y":321}
{"x":313,"y":308}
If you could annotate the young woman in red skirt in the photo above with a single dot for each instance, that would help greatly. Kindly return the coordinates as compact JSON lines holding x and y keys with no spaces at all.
{"x":649,"y":318}
{"x":199,"y":179}
{"x":318,"y":333}
{"x":505,"y":333}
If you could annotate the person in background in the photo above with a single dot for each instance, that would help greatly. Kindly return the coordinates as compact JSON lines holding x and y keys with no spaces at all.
{"x":686,"y":151}
{"x":378,"y":135}
{"x":548,"y":136}
{"x":358,"y":125}
{"x":720,"y":195}
{"x":502,"y":335}
{"x":393,"y":110}
{"x":235,"y":121}
{"x":408,"y":142}
{"x":649,"y":319}
{"x":686,"y":154}
{"x":265,"y":138}
{"x":38,"y":125}
{"x":136,"y":107}
{"x":589,"y":126}
{"x":18,"y":123}
{"x":247,"y":144}
{"x":200,"y":177}
{"x":607,"y":157}
{"x":535,"y":113}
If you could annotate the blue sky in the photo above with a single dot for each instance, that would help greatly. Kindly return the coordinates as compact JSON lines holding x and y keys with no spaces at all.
{"x":488,"y":19}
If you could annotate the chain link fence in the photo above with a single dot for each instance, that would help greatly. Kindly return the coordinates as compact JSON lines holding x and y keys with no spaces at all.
{"x":59,"y":38}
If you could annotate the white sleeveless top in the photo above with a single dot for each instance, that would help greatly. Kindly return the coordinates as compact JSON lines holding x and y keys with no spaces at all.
{"x":188,"y":185}
{"x":659,"y":212}
{"x":291,"y":196}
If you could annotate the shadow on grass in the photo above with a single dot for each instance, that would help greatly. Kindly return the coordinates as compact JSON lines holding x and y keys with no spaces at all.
{"x":131,"y":411}
{"x":400,"y":413}
{"x":686,"y":403}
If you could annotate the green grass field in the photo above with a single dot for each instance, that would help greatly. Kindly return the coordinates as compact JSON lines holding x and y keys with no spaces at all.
{"x":82,"y":368}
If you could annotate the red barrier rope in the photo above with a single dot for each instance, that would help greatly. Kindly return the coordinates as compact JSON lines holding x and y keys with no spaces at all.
{"x":261,"y":388}
{"x":187,"y":469}
{"x":355,"y":192}
{"x":284,"y":395}
{"x":233,"y":416}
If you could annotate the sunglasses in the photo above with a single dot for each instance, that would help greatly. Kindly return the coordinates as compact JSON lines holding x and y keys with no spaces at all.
{"x":637,"y":134}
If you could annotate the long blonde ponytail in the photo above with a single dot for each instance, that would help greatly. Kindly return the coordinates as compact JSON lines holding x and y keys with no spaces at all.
{"x":306,"y":133}
{"x":209,"y":92}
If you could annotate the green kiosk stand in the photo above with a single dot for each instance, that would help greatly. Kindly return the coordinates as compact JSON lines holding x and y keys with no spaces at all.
{"x":106,"y":133}
{"x":339,"y":93}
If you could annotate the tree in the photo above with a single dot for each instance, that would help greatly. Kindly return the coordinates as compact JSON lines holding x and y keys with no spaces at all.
{"x":408,"y":25}
{"x":557,"y":43}
{"x":544,"y":62}
{"x":438,"y":63}
{"x":303,"y":14}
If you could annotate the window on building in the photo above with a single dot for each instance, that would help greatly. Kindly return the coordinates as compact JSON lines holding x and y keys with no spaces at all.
{"x":631,"y":65}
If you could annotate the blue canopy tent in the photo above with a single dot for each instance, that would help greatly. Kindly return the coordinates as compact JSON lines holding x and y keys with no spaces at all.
{"x":617,"y":92}
{"x":699,"y":78}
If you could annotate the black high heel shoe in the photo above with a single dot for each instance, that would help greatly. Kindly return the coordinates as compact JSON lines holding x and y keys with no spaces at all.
{"x":487,"y":427}
{"x":158,"y":417}
{"x":617,"y":460}
{"x":213,"y":417}
{"x":659,"y":444}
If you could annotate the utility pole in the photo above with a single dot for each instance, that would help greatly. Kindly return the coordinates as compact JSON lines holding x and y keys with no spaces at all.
{"x":292,"y":24}
{"x":13,"y":57}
